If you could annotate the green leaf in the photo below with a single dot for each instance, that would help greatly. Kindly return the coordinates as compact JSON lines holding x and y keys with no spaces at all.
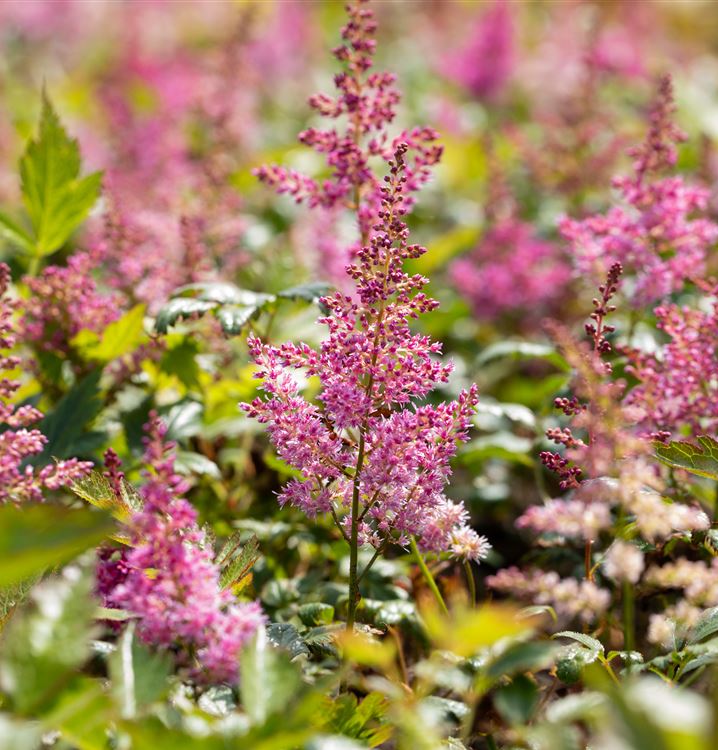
{"x":56,"y":197}
{"x":196,"y":464}
{"x":590,"y":643}
{"x":47,"y":641}
{"x":522,"y":657}
{"x":97,"y":490}
{"x":269,"y":679}
{"x":233,"y":318}
{"x":522,"y":350}
{"x":236,"y":560}
{"x":707,"y":625}
{"x":42,"y":536}
{"x":179,"y":309}
{"x":184,"y":420}
{"x":699,"y":459}
{"x":119,"y":338}
{"x":311,"y":292}
{"x":65,"y":426}
{"x":15,"y":234}
{"x":316,"y":613}
{"x":284,"y":635}
{"x":224,"y":293}
{"x":360,"y":721}
{"x":518,"y":700}
{"x":501,"y":445}
{"x":138,"y":676}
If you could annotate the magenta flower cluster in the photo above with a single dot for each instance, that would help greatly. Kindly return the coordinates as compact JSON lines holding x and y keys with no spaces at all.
{"x":366,"y":452}
{"x":169,"y":579}
{"x":656,"y":233}
{"x":511,"y":270}
{"x":367,"y":102}
{"x":19,"y":440}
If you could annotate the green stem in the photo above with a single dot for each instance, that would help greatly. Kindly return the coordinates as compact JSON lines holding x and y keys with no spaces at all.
{"x":628,"y":617}
{"x":471,"y":582}
{"x":354,"y":541}
{"x":33,"y":266}
{"x":428,"y":577}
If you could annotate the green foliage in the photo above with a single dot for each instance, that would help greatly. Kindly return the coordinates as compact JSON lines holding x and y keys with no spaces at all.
{"x":236,"y":561}
{"x":45,"y":643}
{"x":66,"y":425}
{"x":40,"y":537}
{"x":57,"y":199}
{"x":232,"y":306}
{"x":701,"y":459}
{"x":119,"y":338}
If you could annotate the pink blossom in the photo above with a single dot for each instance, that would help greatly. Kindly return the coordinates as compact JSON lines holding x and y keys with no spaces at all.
{"x":169,"y":578}
{"x":19,"y":441}
{"x":657,"y":232}
{"x":511,"y":270}
{"x":486,"y":63}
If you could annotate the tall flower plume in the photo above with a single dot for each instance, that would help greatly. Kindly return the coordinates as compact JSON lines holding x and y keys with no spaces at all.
{"x":655,"y":232}
{"x":169,"y":578}
{"x":368,"y":455}
{"x":19,"y":440}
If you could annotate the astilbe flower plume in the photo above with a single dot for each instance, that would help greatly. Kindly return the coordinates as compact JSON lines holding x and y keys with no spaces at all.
{"x":19,"y":440}
{"x":169,"y":579}
{"x":606,"y":467}
{"x":64,"y":300}
{"x":366,"y":103}
{"x":485,"y":65}
{"x":654,"y":233}
{"x":678,"y":384}
{"x":367,"y":453}
{"x":510,"y":271}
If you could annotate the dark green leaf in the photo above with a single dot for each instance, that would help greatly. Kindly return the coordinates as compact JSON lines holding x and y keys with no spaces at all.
{"x":522,"y":350}
{"x":310,"y":292}
{"x":286,"y":636}
{"x":180,"y":308}
{"x":316,"y":613}
{"x":65,"y":425}
{"x":522,"y":657}
{"x":517,"y":701}
{"x":590,"y":643}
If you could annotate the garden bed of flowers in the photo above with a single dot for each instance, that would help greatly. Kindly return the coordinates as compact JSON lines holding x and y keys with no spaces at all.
{"x":379,"y":417}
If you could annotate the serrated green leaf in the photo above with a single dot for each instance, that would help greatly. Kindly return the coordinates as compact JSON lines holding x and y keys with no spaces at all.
{"x":316,"y":613}
{"x":237,"y":561}
{"x":699,"y":459}
{"x":180,"y":308}
{"x":286,"y":636}
{"x":310,"y":292}
{"x":65,"y":425}
{"x":43,"y":536}
{"x":590,"y":643}
{"x":47,"y":640}
{"x":234,"y":318}
{"x":97,"y":490}
{"x":56,"y":197}
{"x":224,"y":293}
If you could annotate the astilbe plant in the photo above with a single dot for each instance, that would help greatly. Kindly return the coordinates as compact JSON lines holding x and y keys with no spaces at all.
{"x":367,"y":453}
{"x":169,"y":578}
{"x":19,"y":440}
{"x":615,"y":507}
{"x":654,"y":232}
